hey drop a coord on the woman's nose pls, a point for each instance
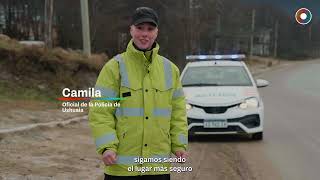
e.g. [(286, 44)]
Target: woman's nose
[(144, 33)]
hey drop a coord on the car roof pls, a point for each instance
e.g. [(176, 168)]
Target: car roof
[(216, 63)]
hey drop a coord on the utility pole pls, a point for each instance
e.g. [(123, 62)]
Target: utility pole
[(252, 31), (218, 34), (191, 25), (85, 27), (194, 6), (218, 9), (276, 33), (48, 14)]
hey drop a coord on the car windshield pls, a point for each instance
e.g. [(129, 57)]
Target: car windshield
[(216, 76)]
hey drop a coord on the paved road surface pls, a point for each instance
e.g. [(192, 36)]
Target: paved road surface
[(292, 104)]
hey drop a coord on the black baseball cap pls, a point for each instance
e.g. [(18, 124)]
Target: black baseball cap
[(145, 14)]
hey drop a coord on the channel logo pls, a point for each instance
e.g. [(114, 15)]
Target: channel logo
[(303, 16)]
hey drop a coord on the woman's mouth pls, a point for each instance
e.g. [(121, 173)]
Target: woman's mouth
[(143, 41)]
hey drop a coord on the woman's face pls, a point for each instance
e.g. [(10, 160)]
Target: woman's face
[(144, 35)]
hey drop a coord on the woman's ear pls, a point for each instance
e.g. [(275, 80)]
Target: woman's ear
[(131, 29)]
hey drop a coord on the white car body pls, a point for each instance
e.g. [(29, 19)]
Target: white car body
[(221, 104)]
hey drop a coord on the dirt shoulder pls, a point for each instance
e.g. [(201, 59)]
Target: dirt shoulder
[(50, 153)]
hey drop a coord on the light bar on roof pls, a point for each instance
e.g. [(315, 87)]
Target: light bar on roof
[(216, 57)]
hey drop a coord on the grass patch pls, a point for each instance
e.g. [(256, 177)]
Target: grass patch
[(8, 92)]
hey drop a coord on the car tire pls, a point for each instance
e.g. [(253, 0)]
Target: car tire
[(257, 136)]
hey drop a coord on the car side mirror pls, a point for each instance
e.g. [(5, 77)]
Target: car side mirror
[(262, 83)]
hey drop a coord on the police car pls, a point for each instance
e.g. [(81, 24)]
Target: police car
[(222, 96)]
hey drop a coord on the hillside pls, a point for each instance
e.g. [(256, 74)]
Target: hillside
[(37, 73)]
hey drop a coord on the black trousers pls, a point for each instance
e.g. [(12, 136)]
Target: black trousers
[(145, 177)]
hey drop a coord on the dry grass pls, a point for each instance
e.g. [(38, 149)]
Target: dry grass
[(12, 50), (257, 61)]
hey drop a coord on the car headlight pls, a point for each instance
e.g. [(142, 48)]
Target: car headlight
[(249, 103), (188, 106)]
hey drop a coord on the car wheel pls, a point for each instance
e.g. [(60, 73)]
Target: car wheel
[(257, 136)]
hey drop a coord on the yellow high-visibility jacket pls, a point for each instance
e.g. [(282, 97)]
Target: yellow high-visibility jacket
[(151, 121)]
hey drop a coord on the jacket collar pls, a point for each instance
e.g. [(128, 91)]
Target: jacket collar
[(139, 55)]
